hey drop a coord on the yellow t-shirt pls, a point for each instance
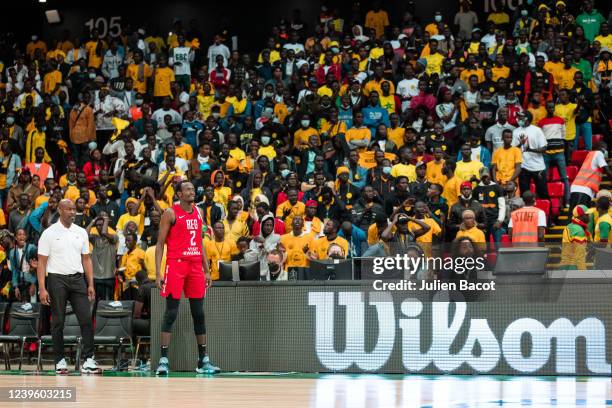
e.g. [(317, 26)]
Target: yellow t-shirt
[(236, 230), (434, 230), (297, 210), (500, 72), (333, 129), (132, 72), (396, 136), (451, 190), (219, 252), (467, 73), (464, 171), (538, 113), (50, 80), (475, 234), (294, 247), (377, 20), (149, 262), (125, 218), (301, 136), (566, 78), (95, 60), (566, 112), (321, 246), (434, 174), (131, 261), (163, 77), (505, 161), (406, 170), (358, 134), (184, 151), (388, 102), (434, 63), (606, 42)]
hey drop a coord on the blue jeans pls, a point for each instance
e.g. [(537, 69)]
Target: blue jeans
[(558, 159), (586, 131), (496, 232)]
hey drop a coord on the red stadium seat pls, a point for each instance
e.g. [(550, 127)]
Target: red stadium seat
[(553, 175), (578, 157), (555, 206), (572, 171), (597, 139), (544, 205), (556, 189)]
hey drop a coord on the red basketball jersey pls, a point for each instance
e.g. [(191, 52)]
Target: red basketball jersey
[(185, 236)]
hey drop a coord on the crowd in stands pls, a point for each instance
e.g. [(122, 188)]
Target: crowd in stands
[(336, 139)]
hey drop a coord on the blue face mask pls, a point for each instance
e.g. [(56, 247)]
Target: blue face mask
[(43, 128), (285, 172)]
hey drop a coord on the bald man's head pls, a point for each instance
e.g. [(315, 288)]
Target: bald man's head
[(67, 212)]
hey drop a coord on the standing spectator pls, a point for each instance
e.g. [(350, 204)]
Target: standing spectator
[(532, 142), (82, 127), (554, 129), (377, 19), (104, 241)]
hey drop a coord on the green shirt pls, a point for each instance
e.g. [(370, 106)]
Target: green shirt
[(590, 23), (584, 66)]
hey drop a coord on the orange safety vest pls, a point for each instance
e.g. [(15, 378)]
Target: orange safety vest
[(525, 225), (587, 177), (42, 173)]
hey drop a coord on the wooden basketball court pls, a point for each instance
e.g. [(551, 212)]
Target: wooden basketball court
[(320, 391)]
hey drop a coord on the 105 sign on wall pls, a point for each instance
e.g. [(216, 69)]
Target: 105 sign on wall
[(104, 25)]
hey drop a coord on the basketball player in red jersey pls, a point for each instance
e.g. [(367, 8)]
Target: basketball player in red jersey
[(186, 270)]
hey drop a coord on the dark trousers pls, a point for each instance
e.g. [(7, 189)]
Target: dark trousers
[(80, 153), (105, 288), (73, 288), (141, 327), (579, 198), (539, 179)]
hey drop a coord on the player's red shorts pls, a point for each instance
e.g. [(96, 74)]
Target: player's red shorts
[(184, 274)]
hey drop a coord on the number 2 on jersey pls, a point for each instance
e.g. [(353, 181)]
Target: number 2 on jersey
[(193, 236)]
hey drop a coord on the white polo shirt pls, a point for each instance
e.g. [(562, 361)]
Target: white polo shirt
[(64, 247)]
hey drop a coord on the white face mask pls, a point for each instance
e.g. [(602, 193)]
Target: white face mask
[(305, 123), (387, 170), (268, 94), (92, 75), (10, 120), (34, 37), (438, 18), (216, 115), (521, 122), (139, 102), (265, 140)]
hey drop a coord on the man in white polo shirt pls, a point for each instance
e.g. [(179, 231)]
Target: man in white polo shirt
[(532, 142), (63, 255)]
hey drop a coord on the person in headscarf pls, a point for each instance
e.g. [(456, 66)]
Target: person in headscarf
[(358, 34), (576, 236), (254, 187), (222, 192), (265, 242), (260, 210), (242, 214)]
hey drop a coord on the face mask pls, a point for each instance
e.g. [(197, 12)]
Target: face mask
[(265, 140), (387, 170), (268, 94), (305, 123), (524, 13), (34, 37), (438, 18), (139, 102), (273, 267), (216, 115), (10, 120), (290, 109), (521, 122), (44, 128), (335, 50)]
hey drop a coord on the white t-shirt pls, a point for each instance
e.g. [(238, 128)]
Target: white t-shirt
[(407, 88), (535, 140), (159, 114), (599, 161), (215, 50), (541, 219), (183, 56), (64, 247)]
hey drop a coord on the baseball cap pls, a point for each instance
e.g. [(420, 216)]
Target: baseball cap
[(466, 184), (312, 203)]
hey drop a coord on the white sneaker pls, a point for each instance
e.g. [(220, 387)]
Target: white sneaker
[(90, 366), (61, 367)]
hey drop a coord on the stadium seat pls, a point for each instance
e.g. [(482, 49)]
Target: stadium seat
[(544, 205), (556, 189), (505, 239), (23, 327), (572, 171), (553, 174), (114, 326), (72, 337), (597, 138), (578, 157)]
